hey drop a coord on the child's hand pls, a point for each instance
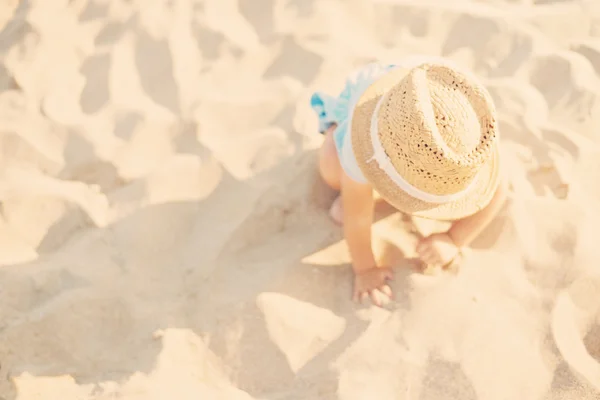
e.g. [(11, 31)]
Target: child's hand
[(372, 283), (437, 249)]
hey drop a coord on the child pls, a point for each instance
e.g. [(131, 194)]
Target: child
[(424, 135)]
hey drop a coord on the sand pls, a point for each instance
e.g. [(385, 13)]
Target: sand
[(164, 233)]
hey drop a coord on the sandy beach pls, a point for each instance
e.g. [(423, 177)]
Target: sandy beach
[(164, 232)]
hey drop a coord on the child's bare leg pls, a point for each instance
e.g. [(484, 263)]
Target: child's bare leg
[(329, 163), (331, 171)]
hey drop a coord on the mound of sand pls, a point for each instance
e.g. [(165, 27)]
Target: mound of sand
[(163, 229)]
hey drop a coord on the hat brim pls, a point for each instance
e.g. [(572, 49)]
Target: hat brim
[(478, 196)]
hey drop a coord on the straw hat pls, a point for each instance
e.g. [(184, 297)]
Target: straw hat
[(427, 140)]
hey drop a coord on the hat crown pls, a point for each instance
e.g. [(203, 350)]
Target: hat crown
[(438, 126)]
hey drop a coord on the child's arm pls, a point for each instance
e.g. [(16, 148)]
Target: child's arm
[(358, 207), (464, 231), (442, 248)]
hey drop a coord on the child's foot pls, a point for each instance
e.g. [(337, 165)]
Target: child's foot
[(336, 211)]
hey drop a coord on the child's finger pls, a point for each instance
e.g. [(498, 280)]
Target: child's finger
[(425, 249), (388, 274), (428, 256), (376, 297), (380, 298), (421, 246), (385, 289), (364, 296)]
